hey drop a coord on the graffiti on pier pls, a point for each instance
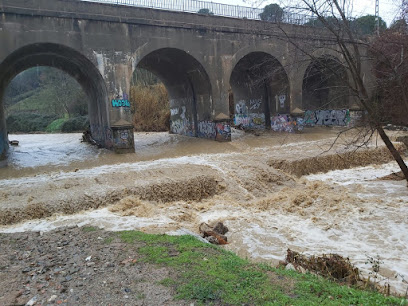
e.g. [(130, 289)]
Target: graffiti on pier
[(282, 99), (122, 138), (327, 117), (182, 127), (255, 104), (252, 120), (223, 131), (285, 123), (241, 108), (121, 101), (249, 120), (242, 120), (257, 120), (174, 111), (206, 129)]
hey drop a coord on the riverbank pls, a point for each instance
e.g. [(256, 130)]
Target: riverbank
[(174, 182)]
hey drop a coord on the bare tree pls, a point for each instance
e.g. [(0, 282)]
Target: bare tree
[(333, 15)]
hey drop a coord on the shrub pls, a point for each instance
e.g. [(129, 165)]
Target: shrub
[(152, 110), (28, 122), (75, 124)]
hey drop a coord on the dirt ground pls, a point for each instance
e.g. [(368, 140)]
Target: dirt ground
[(73, 266)]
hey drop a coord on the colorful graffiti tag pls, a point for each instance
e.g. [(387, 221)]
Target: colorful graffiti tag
[(242, 120), (252, 120), (257, 120), (121, 101), (122, 138), (223, 131), (182, 127), (285, 123), (206, 129), (327, 117)]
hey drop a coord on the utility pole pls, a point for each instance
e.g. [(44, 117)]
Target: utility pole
[(377, 16)]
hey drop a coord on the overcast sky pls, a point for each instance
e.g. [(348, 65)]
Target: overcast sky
[(388, 8)]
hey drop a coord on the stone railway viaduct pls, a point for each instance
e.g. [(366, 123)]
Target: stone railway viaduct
[(202, 60)]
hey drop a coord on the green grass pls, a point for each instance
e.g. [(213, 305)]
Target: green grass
[(42, 101), (211, 275), (56, 125)]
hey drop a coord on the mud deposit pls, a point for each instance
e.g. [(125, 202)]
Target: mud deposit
[(251, 185)]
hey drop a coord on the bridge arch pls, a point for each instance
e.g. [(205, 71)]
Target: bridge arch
[(189, 89), (260, 87), (73, 63), (325, 84)]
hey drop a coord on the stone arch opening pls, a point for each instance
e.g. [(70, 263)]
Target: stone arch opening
[(325, 85), (71, 62), (189, 90), (260, 89)]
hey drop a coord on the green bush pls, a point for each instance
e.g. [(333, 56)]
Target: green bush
[(56, 125), (28, 122), (75, 124)]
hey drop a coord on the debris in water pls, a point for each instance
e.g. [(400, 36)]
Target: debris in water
[(214, 234), (14, 142), (331, 266)]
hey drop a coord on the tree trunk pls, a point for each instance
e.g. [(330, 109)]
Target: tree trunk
[(394, 152)]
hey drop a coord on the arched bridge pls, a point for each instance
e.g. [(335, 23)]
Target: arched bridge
[(204, 61)]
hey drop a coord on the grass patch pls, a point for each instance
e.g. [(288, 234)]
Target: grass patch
[(55, 126), (167, 282), (211, 275)]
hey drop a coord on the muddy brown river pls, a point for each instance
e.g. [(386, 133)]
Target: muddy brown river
[(174, 183)]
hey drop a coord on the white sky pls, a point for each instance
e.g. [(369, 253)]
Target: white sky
[(388, 8)]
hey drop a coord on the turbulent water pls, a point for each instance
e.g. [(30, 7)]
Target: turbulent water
[(348, 212)]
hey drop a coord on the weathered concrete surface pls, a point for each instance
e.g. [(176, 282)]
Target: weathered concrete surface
[(199, 58)]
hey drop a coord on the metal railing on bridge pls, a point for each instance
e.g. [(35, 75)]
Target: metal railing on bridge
[(211, 8)]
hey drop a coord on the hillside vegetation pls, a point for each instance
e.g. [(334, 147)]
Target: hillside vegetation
[(44, 99)]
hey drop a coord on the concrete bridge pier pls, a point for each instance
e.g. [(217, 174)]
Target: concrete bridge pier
[(117, 78)]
